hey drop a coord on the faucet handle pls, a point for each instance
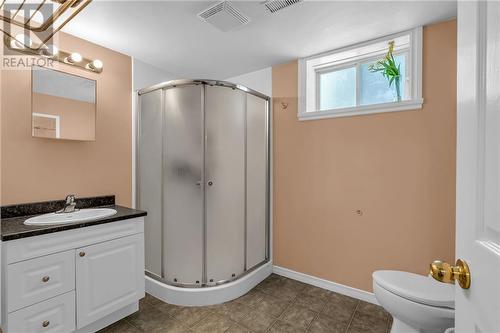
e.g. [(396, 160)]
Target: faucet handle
[(69, 206), (70, 198)]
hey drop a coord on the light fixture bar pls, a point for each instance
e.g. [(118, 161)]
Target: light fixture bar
[(69, 58)]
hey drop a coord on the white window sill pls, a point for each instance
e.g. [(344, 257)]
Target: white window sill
[(362, 110)]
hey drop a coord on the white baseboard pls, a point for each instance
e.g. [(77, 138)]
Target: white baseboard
[(325, 284)]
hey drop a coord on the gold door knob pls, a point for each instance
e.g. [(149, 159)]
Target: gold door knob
[(45, 323), (444, 272), (46, 279), (82, 254)]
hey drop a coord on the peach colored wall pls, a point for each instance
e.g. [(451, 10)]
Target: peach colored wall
[(77, 118), (34, 169), (397, 168)]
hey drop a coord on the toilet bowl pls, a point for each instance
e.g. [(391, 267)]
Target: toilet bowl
[(417, 303)]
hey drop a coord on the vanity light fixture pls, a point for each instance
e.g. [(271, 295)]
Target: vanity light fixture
[(76, 59), (24, 45)]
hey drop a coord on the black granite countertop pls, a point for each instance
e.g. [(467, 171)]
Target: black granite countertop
[(13, 217)]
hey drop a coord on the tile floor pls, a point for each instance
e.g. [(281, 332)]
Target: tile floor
[(277, 304)]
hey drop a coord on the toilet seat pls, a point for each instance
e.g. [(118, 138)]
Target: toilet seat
[(417, 288)]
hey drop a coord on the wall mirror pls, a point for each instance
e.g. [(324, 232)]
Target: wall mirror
[(63, 105)]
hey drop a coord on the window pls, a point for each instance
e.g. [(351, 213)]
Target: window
[(374, 87), (337, 88), (340, 83)]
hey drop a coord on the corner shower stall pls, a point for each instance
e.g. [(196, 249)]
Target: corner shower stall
[(203, 177)]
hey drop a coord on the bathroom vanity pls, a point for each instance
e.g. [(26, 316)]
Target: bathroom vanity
[(73, 277)]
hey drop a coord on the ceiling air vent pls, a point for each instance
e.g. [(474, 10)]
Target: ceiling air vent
[(224, 16), (274, 5)]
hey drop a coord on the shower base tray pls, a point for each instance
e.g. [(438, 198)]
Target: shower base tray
[(208, 295)]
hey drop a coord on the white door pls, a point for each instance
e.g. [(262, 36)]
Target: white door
[(478, 165), (109, 276)]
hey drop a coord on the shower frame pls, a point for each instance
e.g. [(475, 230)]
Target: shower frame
[(218, 83)]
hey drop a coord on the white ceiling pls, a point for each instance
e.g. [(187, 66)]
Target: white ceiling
[(169, 35)]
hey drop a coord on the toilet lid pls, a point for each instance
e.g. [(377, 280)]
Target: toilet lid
[(417, 288)]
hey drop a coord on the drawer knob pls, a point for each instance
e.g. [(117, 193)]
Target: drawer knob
[(82, 254), (46, 278), (45, 323)]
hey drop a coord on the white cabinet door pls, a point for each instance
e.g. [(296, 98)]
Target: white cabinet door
[(109, 276)]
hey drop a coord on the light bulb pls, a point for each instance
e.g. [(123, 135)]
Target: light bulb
[(50, 50), (75, 57), (97, 64), (21, 41), (13, 44)]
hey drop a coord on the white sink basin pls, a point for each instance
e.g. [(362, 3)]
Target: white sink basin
[(82, 215)]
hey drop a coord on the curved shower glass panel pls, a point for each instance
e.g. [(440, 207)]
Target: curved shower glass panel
[(203, 177), (182, 190)]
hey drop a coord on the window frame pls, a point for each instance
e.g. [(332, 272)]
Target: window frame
[(413, 82)]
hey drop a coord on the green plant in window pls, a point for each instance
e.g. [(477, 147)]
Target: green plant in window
[(389, 69)]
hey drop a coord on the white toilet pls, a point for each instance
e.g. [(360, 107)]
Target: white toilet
[(417, 303)]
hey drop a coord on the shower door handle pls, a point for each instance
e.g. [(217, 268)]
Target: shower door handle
[(198, 183)]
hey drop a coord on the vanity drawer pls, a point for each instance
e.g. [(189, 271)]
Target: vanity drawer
[(38, 279), (56, 315)]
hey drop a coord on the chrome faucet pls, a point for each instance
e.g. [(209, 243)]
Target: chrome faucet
[(69, 206)]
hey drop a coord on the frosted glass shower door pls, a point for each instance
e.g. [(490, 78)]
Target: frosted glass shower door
[(149, 177), (257, 187), (183, 185), (225, 183)]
